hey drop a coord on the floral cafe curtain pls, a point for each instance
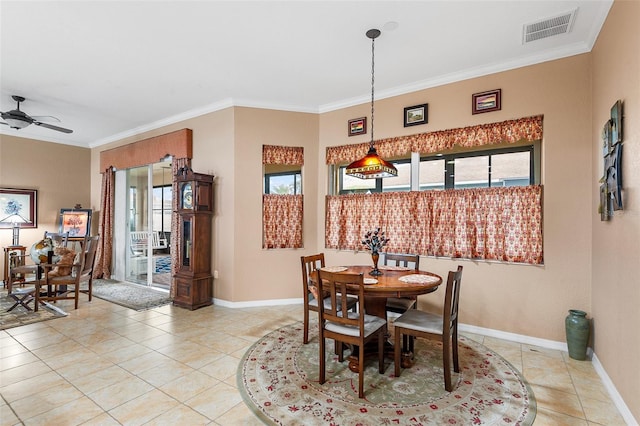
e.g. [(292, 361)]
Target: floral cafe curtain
[(511, 131), (503, 224), (282, 214)]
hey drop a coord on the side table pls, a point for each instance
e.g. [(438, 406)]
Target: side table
[(13, 256)]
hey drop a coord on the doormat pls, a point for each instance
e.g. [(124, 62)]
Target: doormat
[(132, 296)]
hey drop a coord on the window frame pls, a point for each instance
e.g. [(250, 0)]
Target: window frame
[(449, 161), (297, 174)]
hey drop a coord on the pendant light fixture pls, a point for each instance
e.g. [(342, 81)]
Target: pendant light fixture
[(371, 166)]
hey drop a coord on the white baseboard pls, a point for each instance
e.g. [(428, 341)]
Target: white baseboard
[(513, 337), (613, 393)]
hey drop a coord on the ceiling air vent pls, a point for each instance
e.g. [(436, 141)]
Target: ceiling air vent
[(550, 27)]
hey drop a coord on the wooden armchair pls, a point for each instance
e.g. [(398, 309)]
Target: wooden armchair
[(62, 282)]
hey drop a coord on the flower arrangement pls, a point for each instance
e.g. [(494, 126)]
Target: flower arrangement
[(375, 240)]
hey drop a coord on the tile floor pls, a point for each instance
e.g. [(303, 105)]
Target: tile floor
[(109, 365)]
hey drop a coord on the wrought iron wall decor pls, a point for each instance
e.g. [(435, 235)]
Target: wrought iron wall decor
[(611, 181)]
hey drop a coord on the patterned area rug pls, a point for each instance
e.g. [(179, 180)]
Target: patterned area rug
[(278, 378), (20, 316), (132, 296)]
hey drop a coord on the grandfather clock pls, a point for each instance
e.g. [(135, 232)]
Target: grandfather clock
[(193, 278)]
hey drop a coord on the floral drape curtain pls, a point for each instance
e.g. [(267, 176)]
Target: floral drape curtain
[(511, 131), (282, 214), (104, 252), (502, 224), (282, 221)]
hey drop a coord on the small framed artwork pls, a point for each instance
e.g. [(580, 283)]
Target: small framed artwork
[(616, 123), (18, 206), (77, 222), (606, 138), (486, 101), (415, 115), (357, 126)]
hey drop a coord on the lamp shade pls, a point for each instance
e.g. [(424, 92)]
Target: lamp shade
[(15, 218), (371, 166)]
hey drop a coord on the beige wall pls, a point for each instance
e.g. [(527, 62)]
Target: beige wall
[(616, 244), (529, 300), (60, 173)]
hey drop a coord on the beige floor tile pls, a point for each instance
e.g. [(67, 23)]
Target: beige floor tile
[(604, 413), (126, 353), (103, 419), (144, 362), (558, 401), (190, 353), (10, 347), (551, 418), (189, 385), (58, 348), (180, 415), (84, 368), (100, 379), (7, 416), (119, 393), (46, 400), (17, 360), (215, 401), (72, 413), (227, 366), (21, 389), (144, 408), (74, 357), (165, 372), (111, 345), (23, 372)]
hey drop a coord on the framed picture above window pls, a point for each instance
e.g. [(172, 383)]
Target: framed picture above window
[(77, 222), (415, 115), (486, 101), (357, 126)]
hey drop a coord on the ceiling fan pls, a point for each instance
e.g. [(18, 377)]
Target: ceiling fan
[(17, 119)]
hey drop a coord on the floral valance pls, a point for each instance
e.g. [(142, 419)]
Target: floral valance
[(292, 155), (511, 131)]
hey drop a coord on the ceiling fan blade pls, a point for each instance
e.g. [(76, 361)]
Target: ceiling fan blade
[(52, 127), (45, 118)]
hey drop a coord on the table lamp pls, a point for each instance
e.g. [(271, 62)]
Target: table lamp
[(15, 219)]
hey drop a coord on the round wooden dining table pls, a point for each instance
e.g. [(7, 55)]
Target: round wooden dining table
[(390, 284)]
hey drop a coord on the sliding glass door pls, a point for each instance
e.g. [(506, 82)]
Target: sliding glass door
[(148, 225)]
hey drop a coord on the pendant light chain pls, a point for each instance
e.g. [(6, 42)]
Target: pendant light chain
[(373, 42)]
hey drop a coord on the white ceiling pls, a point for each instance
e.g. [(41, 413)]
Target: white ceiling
[(110, 69)]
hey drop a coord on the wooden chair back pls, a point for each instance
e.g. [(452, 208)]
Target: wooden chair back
[(309, 265), (451, 302), (406, 260), (60, 239)]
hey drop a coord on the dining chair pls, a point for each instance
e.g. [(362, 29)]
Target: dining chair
[(353, 328), (443, 328), (59, 278), (309, 265), (401, 304)]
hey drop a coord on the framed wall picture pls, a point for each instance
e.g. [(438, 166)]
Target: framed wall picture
[(616, 123), (18, 206), (415, 115), (486, 101), (77, 222), (357, 126)]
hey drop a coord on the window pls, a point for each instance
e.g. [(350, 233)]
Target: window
[(162, 196), (513, 166), (283, 183)]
